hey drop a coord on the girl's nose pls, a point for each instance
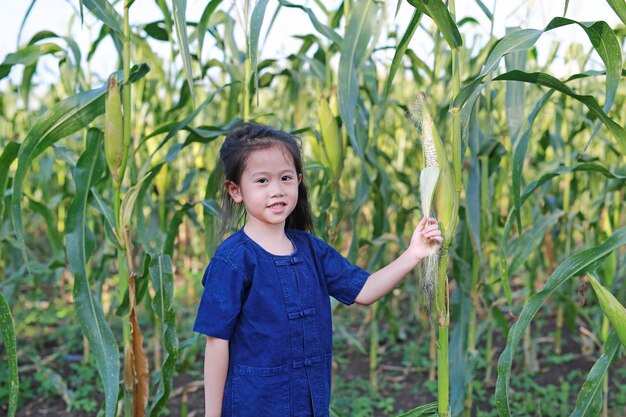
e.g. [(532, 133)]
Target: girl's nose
[(277, 191)]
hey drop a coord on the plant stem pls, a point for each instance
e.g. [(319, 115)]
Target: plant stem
[(122, 261), (456, 117), (443, 297), (374, 339), (246, 66), (471, 326), (567, 179), (443, 322), (490, 326)]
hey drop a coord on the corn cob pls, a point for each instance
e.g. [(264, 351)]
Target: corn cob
[(332, 140), (113, 129), (436, 181)]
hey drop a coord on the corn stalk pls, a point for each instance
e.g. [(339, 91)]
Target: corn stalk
[(446, 210)]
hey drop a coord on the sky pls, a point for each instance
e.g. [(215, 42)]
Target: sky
[(59, 16)]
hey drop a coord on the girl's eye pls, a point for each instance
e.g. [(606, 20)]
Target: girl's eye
[(262, 180), (287, 178)]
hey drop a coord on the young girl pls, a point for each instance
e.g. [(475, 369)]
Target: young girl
[(265, 308)]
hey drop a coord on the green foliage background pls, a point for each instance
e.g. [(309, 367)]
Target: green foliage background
[(539, 162)]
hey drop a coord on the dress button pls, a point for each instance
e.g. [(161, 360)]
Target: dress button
[(308, 362)]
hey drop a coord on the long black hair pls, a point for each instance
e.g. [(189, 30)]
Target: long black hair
[(240, 142)]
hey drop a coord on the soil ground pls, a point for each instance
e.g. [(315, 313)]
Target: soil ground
[(396, 380)]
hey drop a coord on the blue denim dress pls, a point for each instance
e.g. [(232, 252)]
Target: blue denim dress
[(275, 312)]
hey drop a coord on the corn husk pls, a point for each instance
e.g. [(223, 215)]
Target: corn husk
[(113, 129), (446, 202), (332, 148)]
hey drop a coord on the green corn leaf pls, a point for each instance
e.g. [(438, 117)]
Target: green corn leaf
[(26, 83), (573, 266), (157, 31), (600, 34), (319, 26), (167, 16), (426, 410), (539, 78), (462, 361), (485, 10), (71, 43), (172, 129), (438, 11), (519, 40), (97, 202), (612, 308), (562, 170), (102, 342), (27, 56), (416, 64), (619, 7), (19, 33), (180, 23), (81, 11), (64, 118), (400, 50), (602, 38), (608, 47), (104, 31), (152, 59), (6, 159), (203, 23), (29, 70), (144, 233), (353, 48), (212, 212), (529, 242), (174, 223), (7, 329), (56, 241), (591, 390), (163, 283), (519, 154), (256, 21), (107, 14), (57, 384), (128, 202), (515, 93)]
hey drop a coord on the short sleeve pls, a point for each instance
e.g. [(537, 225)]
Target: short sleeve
[(222, 298), (343, 279)]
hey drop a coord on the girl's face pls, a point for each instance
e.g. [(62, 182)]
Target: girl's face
[(268, 187)]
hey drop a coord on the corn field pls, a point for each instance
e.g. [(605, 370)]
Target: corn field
[(109, 206)]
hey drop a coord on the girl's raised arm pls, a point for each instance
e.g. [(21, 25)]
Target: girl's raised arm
[(425, 235), (215, 370)]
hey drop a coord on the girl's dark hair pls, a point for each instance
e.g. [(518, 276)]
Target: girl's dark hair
[(240, 142)]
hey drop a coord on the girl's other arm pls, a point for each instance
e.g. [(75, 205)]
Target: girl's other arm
[(425, 235), (215, 371)]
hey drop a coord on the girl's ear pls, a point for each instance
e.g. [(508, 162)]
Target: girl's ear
[(234, 190), (299, 179)]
